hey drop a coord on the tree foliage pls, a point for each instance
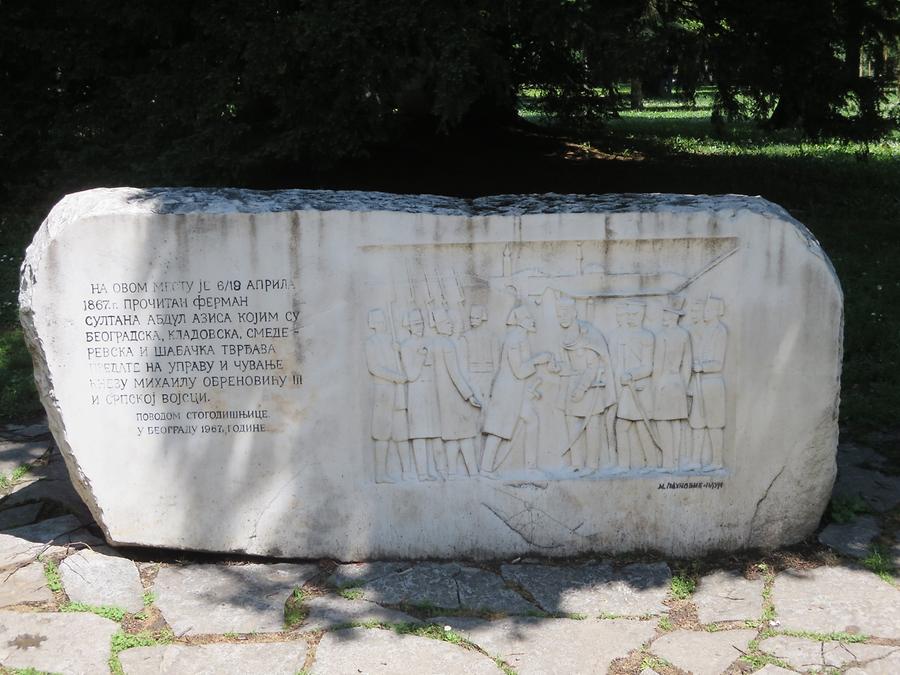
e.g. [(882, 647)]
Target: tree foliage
[(213, 90)]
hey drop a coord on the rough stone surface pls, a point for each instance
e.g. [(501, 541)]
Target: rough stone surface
[(25, 584), (728, 596), (98, 579), (357, 574), (49, 536), (533, 646), (595, 589), (702, 653), (327, 612), (14, 454), (28, 430), (199, 349), (772, 669), (806, 655), (852, 539), (881, 492), (49, 483), (46, 642), (272, 658), (837, 599), (889, 665), (447, 585), (383, 652), (198, 599), (18, 516)]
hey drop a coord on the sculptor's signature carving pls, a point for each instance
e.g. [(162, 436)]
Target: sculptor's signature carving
[(451, 401)]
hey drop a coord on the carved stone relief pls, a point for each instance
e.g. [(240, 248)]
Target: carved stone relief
[(466, 385)]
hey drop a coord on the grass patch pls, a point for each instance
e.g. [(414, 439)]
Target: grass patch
[(758, 659), (879, 563), (351, 593), (665, 623), (846, 509), (51, 574), (849, 638), (112, 613), (149, 598), (294, 611), (654, 663), (18, 395), (17, 474), (682, 587), (122, 641)]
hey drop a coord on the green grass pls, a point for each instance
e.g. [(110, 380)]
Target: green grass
[(351, 593), (846, 509), (149, 598), (682, 587), (17, 474), (51, 574), (881, 564), (294, 611), (665, 623), (18, 395), (112, 613), (122, 641)]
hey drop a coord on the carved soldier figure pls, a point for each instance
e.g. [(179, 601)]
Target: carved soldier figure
[(632, 352), (508, 403), (389, 408), (421, 394), (707, 416), (458, 404), (586, 391), (671, 375), (693, 322), (481, 351)]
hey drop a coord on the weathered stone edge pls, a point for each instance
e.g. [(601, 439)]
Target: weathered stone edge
[(122, 201)]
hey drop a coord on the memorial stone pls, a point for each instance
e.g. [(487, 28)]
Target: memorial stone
[(364, 375)]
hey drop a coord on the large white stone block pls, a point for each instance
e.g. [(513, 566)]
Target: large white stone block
[(363, 375)]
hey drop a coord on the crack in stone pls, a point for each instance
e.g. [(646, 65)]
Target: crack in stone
[(761, 500), (526, 538)]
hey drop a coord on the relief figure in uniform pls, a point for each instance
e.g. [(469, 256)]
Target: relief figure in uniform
[(707, 416), (421, 394), (671, 374), (481, 352), (458, 404), (632, 351), (508, 403), (389, 424), (586, 391)]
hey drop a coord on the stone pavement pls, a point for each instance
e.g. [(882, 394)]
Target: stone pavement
[(70, 604)]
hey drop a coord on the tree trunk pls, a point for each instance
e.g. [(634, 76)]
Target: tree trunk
[(637, 94)]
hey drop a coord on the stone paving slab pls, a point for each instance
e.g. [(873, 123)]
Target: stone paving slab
[(24, 584), (728, 596), (852, 454), (28, 431), (356, 574), (595, 589), (98, 579), (14, 454), (806, 655), (772, 669), (198, 599), (852, 539), (837, 599), (448, 586), (702, 653), (329, 611), (881, 492), (371, 651), (24, 544), (889, 665), (49, 482), (17, 516), (272, 658), (536, 646), (74, 644)]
